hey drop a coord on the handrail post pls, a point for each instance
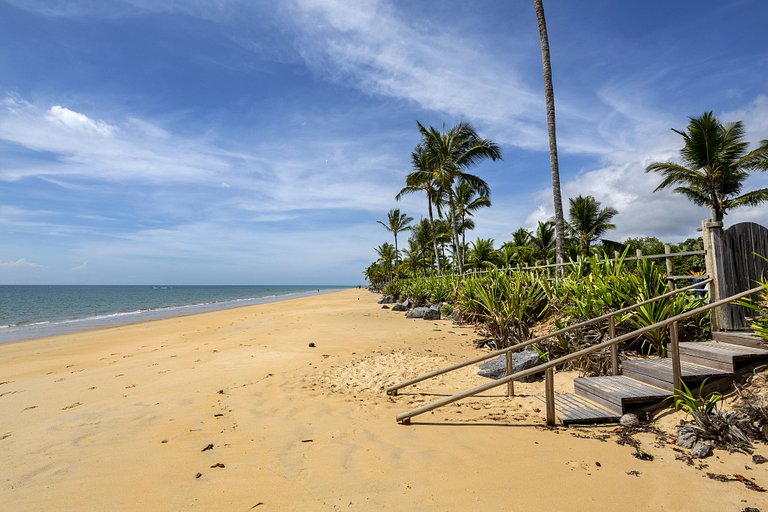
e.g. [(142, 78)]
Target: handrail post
[(615, 346), (549, 391), (674, 349), (668, 260), (510, 371)]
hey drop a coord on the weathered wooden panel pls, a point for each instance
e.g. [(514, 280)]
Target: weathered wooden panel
[(743, 268)]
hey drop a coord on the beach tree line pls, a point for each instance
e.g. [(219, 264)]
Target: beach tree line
[(714, 163)]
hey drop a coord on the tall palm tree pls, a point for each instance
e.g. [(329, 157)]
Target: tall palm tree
[(449, 154), (468, 201), (549, 95), (715, 163), (396, 223), (421, 179), (588, 221)]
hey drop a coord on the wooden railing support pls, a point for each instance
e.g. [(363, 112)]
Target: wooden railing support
[(615, 347), (510, 370), (674, 354), (668, 260), (549, 395)]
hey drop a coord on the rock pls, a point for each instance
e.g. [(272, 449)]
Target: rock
[(311, 344), (759, 459), (399, 307), (497, 368), (701, 450), (384, 307), (407, 303), (686, 438), (387, 299), (417, 313), (629, 420), (433, 313)]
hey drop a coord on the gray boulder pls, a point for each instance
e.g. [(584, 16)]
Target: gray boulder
[(387, 299), (497, 368), (407, 303), (629, 420), (433, 313), (399, 307), (417, 313), (701, 450), (686, 438)]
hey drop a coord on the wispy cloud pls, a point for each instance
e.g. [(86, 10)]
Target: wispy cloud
[(20, 263)]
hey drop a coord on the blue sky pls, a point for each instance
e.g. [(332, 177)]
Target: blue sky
[(257, 142)]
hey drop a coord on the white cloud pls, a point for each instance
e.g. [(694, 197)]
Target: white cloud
[(373, 48), (78, 121)]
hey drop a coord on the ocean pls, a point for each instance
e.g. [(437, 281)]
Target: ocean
[(28, 312)]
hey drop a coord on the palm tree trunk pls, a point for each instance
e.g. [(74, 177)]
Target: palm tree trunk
[(549, 94), (434, 235), (455, 234)]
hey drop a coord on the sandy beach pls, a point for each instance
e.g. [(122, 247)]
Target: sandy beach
[(234, 411)]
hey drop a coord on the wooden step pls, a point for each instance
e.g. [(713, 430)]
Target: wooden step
[(573, 408), (747, 339), (658, 372), (618, 393), (723, 356)]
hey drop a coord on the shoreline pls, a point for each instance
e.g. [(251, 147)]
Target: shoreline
[(28, 332), (122, 419)]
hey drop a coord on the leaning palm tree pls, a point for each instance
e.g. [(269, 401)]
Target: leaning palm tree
[(549, 95), (396, 223), (449, 154), (468, 201), (421, 179), (588, 221), (715, 163)]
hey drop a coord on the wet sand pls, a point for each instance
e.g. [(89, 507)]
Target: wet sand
[(234, 411)]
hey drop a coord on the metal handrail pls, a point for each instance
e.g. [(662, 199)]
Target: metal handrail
[(550, 365), (392, 390)]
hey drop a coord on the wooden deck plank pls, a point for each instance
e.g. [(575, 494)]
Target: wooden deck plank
[(575, 409)]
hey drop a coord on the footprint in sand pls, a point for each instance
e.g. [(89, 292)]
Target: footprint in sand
[(71, 406)]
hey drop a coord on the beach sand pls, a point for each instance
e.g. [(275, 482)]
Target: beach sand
[(120, 419)]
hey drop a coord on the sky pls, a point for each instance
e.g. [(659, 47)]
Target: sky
[(258, 142)]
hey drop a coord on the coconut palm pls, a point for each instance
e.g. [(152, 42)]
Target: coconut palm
[(715, 163), (482, 254), (468, 201), (449, 154), (387, 257), (396, 223), (549, 96), (421, 179), (588, 221), (543, 240)]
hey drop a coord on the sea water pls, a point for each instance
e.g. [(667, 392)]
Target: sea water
[(28, 312)]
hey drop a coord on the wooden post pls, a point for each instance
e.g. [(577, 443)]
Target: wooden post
[(668, 260), (510, 369), (615, 346), (674, 354), (712, 234), (549, 392), (639, 254)]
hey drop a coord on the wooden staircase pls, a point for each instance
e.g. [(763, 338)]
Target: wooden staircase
[(646, 383)]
